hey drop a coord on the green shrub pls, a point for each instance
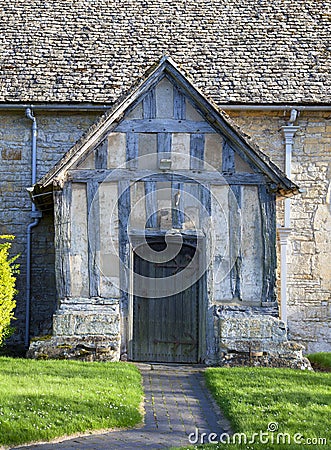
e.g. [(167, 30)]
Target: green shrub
[(8, 269)]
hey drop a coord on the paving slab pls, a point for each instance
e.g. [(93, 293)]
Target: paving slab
[(177, 403)]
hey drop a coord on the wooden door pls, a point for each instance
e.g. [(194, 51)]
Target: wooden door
[(166, 329)]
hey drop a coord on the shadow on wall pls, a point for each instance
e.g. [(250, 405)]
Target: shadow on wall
[(43, 298)]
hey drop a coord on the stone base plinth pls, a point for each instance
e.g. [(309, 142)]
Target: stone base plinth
[(257, 340), (85, 348), (86, 335)]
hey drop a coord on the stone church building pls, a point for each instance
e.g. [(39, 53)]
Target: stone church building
[(166, 170)]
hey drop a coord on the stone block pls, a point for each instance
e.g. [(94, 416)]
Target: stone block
[(11, 154), (96, 348), (86, 323), (244, 338)]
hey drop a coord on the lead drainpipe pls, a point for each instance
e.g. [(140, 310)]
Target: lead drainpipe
[(285, 230), (35, 216)]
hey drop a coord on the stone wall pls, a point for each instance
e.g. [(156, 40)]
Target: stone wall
[(309, 249), (57, 132)]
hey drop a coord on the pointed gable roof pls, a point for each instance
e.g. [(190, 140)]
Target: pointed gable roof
[(217, 119)]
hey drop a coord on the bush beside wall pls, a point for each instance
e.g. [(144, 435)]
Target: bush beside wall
[(8, 269)]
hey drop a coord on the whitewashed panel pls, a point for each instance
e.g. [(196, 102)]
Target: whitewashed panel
[(213, 151), (87, 163), (147, 151), (241, 165), (220, 245), (136, 113), (79, 275), (180, 151), (116, 150), (192, 113), (138, 206), (109, 248), (164, 92)]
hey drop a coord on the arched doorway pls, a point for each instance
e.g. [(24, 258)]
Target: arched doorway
[(166, 327)]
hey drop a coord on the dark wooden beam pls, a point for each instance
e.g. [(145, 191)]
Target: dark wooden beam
[(187, 176), (101, 155), (149, 105), (163, 146), (177, 202), (151, 204), (268, 216), (228, 164), (235, 240), (124, 208), (179, 104), (197, 151), (62, 220), (163, 126), (132, 150), (93, 234)]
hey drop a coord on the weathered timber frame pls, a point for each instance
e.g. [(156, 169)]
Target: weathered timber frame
[(261, 182)]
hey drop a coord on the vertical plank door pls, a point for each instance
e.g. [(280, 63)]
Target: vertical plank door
[(166, 329)]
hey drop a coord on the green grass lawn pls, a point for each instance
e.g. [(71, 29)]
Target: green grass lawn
[(290, 401), (41, 400), (320, 360)]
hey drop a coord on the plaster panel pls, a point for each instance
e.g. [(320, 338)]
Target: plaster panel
[(136, 113), (109, 251), (213, 150), (221, 256), (180, 151), (87, 163), (191, 205), (192, 113), (138, 206), (164, 92), (116, 150), (241, 165), (147, 151), (79, 243)]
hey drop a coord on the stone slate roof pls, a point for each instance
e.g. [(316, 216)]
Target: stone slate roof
[(242, 51)]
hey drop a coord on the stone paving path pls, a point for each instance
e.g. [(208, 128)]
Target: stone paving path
[(176, 403)]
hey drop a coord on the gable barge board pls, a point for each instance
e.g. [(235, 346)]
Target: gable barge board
[(164, 126), (187, 176)]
